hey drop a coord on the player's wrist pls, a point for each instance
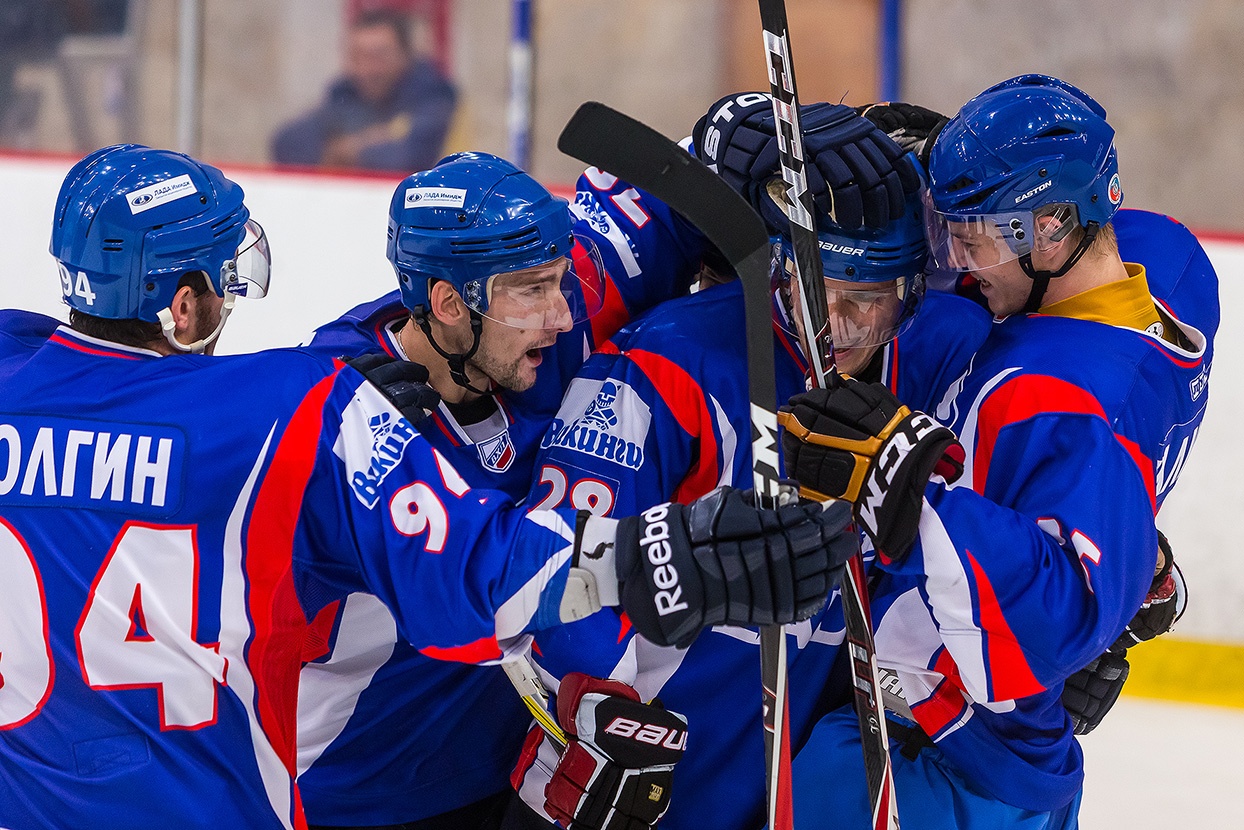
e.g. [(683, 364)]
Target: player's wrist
[(593, 580)]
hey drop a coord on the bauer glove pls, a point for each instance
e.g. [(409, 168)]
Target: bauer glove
[(857, 176), (403, 382), (856, 442), (618, 767), (720, 561)]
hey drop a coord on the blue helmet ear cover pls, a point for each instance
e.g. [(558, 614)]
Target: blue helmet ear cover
[(471, 216), (1030, 141), (131, 221)]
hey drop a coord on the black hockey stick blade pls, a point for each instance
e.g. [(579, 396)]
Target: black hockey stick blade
[(631, 150), (620, 145)]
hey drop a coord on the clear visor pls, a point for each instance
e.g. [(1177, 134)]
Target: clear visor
[(978, 242), (246, 275), (861, 315), (554, 296)]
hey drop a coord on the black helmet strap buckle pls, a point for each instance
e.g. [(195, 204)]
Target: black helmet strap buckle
[(1041, 279)]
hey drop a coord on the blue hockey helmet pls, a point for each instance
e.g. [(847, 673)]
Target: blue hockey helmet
[(1013, 153), (874, 278), (131, 221), (474, 218)]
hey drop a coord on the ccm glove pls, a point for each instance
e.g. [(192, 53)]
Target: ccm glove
[(912, 127), (719, 560), (857, 176), (404, 383), (618, 766), (1089, 693), (1165, 601), (856, 442)]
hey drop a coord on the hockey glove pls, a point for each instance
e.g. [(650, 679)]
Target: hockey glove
[(911, 127), (721, 561), (1165, 601), (404, 383), (857, 176), (618, 766), (856, 442), (1089, 693)]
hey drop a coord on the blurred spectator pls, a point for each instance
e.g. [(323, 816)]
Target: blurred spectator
[(390, 110)]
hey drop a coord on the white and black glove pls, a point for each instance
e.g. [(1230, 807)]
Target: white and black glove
[(1164, 603), (618, 767), (403, 382), (855, 441), (721, 561)]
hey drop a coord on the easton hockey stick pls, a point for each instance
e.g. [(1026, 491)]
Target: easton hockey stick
[(819, 348), (616, 143)]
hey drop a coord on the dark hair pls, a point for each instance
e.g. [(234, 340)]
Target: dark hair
[(131, 331), (395, 20)]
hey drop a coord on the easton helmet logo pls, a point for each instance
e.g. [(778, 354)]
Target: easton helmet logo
[(1044, 185)]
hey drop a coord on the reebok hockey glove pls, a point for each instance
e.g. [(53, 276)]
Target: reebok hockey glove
[(1089, 693), (721, 561), (856, 442), (856, 174), (618, 766), (403, 382), (912, 127)]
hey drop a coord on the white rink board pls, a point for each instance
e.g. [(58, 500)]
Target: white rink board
[(328, 238)]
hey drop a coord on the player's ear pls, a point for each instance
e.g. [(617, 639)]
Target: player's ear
[(446, 303), (183, 308)]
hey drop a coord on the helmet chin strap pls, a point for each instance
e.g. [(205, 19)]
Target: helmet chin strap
[(457, 362), (169, 328), (1041, 279)]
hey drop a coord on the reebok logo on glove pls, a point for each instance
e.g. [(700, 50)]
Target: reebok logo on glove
[(654, 540)]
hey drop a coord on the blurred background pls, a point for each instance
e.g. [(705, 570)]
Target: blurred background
[(224, 78)]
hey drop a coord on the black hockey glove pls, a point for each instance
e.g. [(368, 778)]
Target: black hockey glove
[(618, 767), (404, 383), (1165, 601), (1089, 693), (856, 442), (721, 561), (912, 127), (856, 174)]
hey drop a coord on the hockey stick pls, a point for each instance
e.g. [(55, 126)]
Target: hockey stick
[(819, 348), (607, 139)]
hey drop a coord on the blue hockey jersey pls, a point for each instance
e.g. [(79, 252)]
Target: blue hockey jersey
[(387, 735), (662, 412), (1031, 564), (168, 526)]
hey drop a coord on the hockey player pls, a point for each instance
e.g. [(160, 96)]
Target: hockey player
[(170, 521), (1022, 570), (388, 735), (667, 391)]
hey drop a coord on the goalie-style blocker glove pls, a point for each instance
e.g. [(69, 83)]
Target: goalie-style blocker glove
[(403, 382), (855, 441), (618, 767), (856, 174), (721, 561)]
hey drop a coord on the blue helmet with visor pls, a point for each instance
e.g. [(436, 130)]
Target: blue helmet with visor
[(1015, 171), (131, 221)]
